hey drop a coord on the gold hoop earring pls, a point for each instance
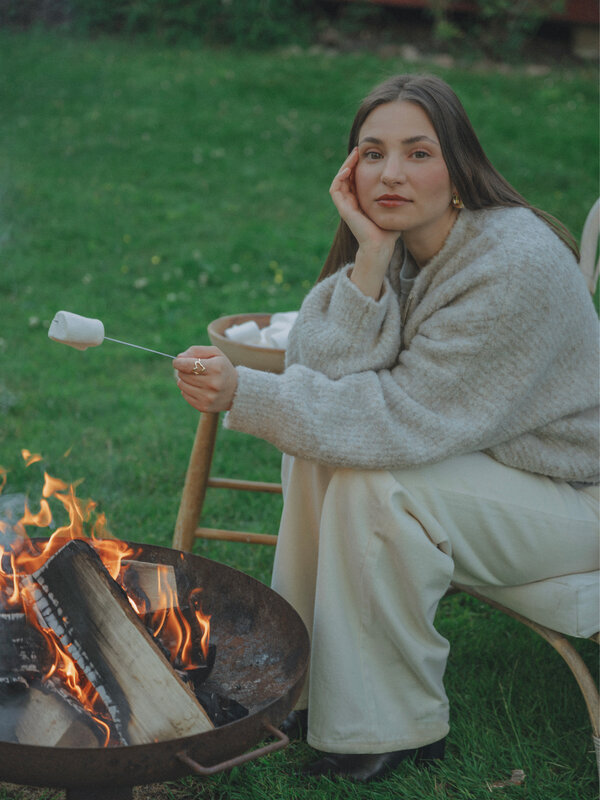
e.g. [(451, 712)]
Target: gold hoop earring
[(456, 201)]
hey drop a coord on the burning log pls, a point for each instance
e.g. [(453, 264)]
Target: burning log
[(140, 581), (23, 654), (91, 615), (49, 719)]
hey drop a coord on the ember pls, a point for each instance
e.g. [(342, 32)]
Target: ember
[(95, 649)]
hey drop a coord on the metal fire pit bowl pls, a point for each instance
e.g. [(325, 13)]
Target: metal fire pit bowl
[(261, 660)]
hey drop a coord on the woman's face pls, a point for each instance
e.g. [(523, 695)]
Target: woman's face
[(401, 179)]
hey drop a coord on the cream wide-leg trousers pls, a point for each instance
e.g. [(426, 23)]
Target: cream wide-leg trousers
[(365, 556)]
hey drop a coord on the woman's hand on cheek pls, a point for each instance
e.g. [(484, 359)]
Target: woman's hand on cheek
[(375, 245), (343, 193), (206, 378)]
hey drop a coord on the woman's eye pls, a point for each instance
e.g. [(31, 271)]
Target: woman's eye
[(372, 155), (420, 154)]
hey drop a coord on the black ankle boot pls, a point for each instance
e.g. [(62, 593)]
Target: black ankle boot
[(365, 767), (295, 725)]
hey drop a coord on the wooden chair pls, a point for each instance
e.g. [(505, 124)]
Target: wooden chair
[(557, 608), (567, 606), (198, 480)]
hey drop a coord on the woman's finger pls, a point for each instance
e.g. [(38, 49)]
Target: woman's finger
[(351, 159), (185, 361), (344, 174), (193, 366)]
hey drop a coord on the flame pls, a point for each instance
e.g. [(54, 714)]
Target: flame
[(202, 619), (9, 588), (170, 625), (139, 610), (31, 558), (53, 485), (30, 458), (25, 556), (42, 519)]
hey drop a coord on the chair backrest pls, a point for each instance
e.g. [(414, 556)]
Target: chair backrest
[(588, 260)]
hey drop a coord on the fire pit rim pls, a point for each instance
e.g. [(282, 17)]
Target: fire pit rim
[(36, 765)]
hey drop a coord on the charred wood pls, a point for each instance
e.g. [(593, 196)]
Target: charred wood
[(23, 652), (220, 709)]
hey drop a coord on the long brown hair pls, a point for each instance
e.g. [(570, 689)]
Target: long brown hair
[(477, 182)]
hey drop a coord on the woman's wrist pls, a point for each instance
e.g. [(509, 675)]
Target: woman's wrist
[(370, 267)]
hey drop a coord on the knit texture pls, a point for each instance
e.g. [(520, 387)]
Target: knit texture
[(495, 350)]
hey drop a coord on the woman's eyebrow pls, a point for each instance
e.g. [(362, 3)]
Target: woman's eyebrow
[(421, 137)]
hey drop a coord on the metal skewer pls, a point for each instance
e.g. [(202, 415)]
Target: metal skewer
[(139, 347)]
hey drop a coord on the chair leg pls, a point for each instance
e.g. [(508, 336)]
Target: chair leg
[(196, 479), (571, 657), (582, 675)]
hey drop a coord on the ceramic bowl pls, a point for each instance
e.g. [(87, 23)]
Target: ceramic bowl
[(268, 359)]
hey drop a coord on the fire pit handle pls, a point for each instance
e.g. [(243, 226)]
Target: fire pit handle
[(282, 741)]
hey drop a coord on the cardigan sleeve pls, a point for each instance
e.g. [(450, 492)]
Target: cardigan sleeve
[(340, 330)]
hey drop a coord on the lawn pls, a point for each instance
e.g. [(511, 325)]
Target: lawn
[(157, 188)]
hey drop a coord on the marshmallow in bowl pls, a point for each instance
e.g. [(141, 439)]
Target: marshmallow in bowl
[(286, 318), (76, 331), (274, 335), (246, 333)]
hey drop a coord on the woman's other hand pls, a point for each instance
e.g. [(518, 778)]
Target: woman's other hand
[(206, 377)]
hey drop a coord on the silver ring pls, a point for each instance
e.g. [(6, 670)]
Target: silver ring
[(199, 368)]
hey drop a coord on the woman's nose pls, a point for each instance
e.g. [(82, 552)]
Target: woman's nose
[(393, 172)]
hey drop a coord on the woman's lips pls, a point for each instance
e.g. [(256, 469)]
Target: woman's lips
[(391, 200)]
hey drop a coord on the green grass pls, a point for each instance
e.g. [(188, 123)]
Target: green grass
[(158, 188)]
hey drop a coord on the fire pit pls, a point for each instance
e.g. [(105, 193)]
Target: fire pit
[(261, 648)]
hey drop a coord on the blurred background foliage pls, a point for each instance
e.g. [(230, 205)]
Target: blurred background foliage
[(496, 28)]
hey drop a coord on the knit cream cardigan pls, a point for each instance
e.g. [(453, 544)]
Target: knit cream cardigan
[(495, 350)]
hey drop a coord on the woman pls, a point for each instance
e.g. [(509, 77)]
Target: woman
[(438, 419)]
